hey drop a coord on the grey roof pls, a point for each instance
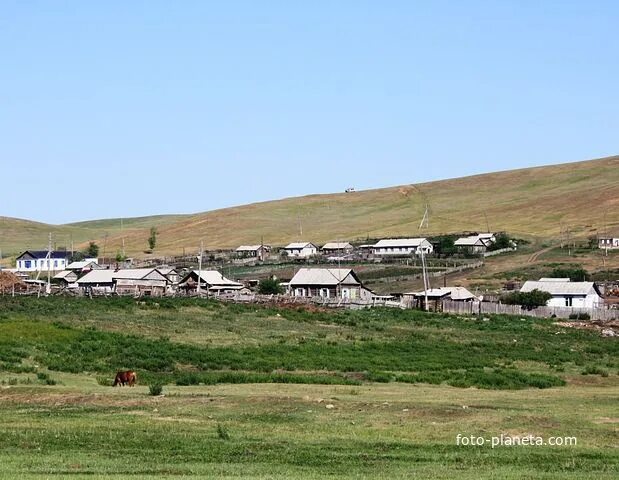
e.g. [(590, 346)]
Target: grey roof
[(469, 241), (456, 293), (400, 242), (337, 246), (323, 276), (554, 279), (81, 265), (249, 248), (97, 276), (108, 276), (134, 273), (62, 275), (560, 288), (299, 245), (214, 278)]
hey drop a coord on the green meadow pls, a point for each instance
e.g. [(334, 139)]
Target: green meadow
[(262, 392)]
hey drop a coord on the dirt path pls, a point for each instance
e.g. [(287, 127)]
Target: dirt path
[(533, 258)]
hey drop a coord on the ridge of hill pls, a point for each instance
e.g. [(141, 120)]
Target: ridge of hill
[(534, 202)]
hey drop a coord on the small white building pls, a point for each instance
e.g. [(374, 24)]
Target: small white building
[(608, 243), (472, 244), (84, 265), (332, 248), (402, 246), (328, 283), (566, 293), (42, 261), (301, 249), (436, 296)]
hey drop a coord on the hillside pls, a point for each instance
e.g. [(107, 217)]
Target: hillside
[(534, 202)]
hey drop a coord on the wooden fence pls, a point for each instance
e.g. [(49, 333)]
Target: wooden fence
[(486, 308)]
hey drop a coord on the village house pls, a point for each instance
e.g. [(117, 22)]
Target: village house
[(84, 265), (402, 247), (608, 243), (337, 248), (211, 281), (134, 281), (566, 293), (66, 278), (300, 249), (170, 273), (328, 283), (436, 296), (42, 260), (474, 243), (260, 252)]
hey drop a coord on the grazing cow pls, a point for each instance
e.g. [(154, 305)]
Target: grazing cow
[(123, 378)]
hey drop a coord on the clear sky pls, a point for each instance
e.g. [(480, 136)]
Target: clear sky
[(112, 109)]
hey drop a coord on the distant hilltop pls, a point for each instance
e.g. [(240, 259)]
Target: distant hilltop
[(539, 202)]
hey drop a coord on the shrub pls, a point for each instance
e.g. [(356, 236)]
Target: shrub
[(528, 300), (270, 286), (105, 381), (155, 389), (222, 432), (592, 370)]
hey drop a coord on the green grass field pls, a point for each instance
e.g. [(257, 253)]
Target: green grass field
[(259, 392)]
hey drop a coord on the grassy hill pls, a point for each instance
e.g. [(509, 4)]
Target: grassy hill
[(532, 202)]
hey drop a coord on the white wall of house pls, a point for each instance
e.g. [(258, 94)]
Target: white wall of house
[(426, 247), (301, 252), (41, 265), (610, 243), (575, 301)]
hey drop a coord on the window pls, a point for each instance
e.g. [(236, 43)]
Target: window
[(568, 301), (324, 292), (55, 263), (28, 264)]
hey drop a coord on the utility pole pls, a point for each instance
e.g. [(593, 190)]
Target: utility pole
[(48, 289), (425, 219), (199, 290), (425, 280)]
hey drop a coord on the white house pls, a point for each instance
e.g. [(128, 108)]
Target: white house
[(42, 260), (300, 249), (608, 243), (436, 296), (402, 246), (472, 244), (328, 283), (567, 294)]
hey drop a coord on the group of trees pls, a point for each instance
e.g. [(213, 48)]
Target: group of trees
[(528, 300)]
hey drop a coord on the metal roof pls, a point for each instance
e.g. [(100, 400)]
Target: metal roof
[(108, 276), (81, 265), (322, 276), (97, 276), (214, 278), (469, 241), (400, 242), (560, 288), (337, 246), (134, 273), (42, 254), (62, 275), (297, 245), (456, 293), (249, 248)]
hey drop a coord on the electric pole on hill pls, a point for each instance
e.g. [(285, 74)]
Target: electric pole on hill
[(199, 289), (425, 219)]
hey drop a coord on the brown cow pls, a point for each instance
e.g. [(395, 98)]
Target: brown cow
[(124, 378)]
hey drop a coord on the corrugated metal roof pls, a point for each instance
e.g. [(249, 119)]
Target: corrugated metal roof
[(81, 265), (97, 276), (133, 273), (297, 245), (456, 293), (337, 246), (469, 241), (62, 275), (560, 288), (215, 278), (554, 279), (321, 276), (400, 242), (248, 248)]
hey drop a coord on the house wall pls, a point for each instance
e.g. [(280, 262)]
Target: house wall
[(344, 291), (38, 265), (301, 253), (427, 248), (589, 301), (610, 243)]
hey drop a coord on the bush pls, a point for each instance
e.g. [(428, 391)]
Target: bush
[(270, 286), (155, 389), (222, 432), (528, 300), (591, 370), (580, 316)]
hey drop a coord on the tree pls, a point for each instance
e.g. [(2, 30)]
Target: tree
[(502, 241), (528, 300), (152, 239), (270, 286), (575, 274), (120, 257), (92, 251)]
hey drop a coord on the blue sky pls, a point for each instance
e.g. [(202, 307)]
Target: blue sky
[(126, 108)]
